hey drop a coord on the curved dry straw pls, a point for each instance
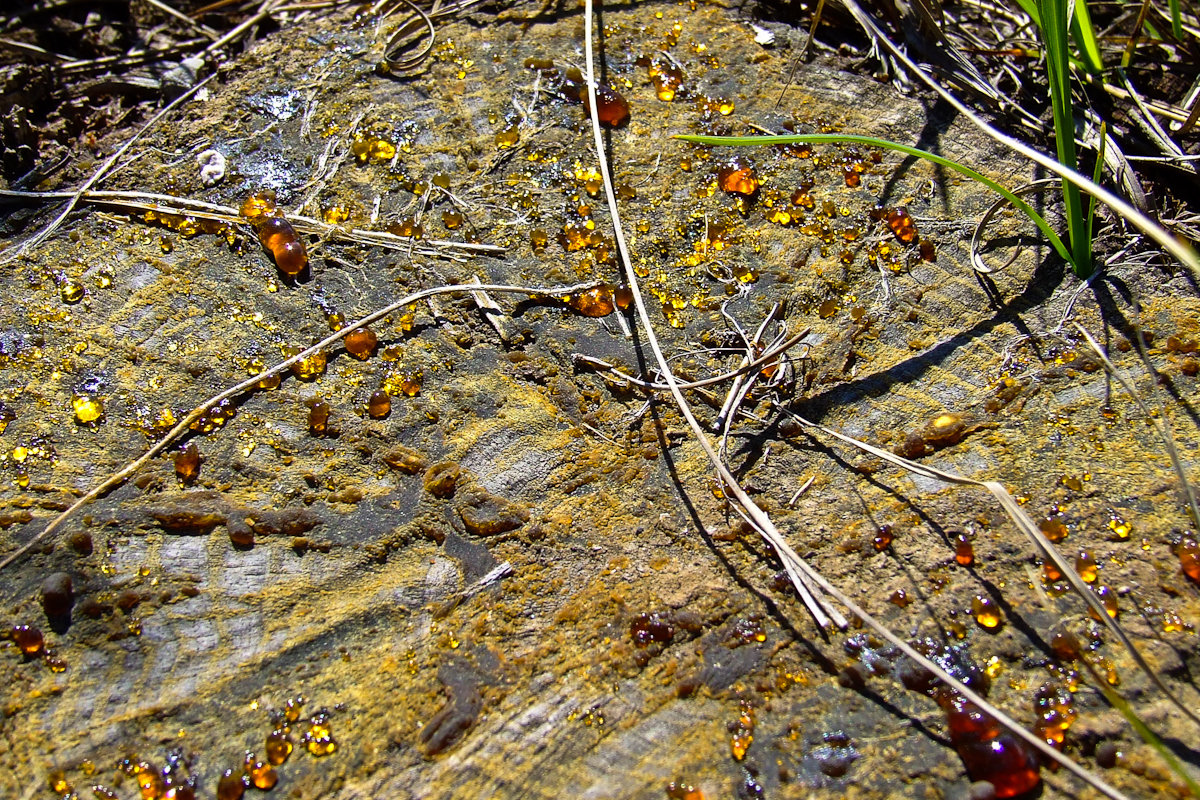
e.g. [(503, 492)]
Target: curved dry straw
[(121, 475)]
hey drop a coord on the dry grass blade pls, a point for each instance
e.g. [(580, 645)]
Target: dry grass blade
[(167, 204), (1031, 530), (768, 356), (181, 429), (41, 235), (801, 574)]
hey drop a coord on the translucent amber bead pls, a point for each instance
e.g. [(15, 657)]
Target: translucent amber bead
[(28, 639), (279, 747), (379, 405), (361, 342), (274, 231), (318, 416), (738, 177), (291, 257), (87, 409), (611, 108), (986, 612), (187, 462), (263, 776), (964, 552), (259, 205), (309, 368), (1188, 553), (231, 786), (596, 302)]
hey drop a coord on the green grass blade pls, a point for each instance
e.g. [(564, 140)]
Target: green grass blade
[(1119, 703), (1176, 19), (871, 141), (1085, 37), (1058, 73), (1030, 8)]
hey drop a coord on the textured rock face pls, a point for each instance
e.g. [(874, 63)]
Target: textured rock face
[(523, 582)]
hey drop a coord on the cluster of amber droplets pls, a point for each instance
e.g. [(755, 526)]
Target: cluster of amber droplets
[(599, 301), (276, 233), (742, 732)]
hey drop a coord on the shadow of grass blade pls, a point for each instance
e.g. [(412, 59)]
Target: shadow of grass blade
[(871, 141)]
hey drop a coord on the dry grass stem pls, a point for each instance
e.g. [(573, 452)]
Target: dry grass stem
[(181, 429)]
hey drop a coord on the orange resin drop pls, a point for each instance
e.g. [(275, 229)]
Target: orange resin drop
[(291, 257), (738, 177), (379, 405), (187, 462), (361, 342), (611, 108), (597, 302)]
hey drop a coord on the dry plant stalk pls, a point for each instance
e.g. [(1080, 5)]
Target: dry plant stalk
[(182, 427)]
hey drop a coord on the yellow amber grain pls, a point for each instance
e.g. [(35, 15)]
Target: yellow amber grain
[(87, 409)]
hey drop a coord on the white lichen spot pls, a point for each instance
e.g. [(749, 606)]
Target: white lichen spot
[(212, 167)]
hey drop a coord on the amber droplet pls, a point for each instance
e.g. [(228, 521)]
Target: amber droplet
[(259, 205), (1085, 565), (928, 251), (150, 782), (28, 639), (187, 462), (452, 220), (88, 409), (964, 552), (508, 136), (318, 416), (1051, 572), (883, 538), (231, 786), (902, 225), (274, 231), (1065, 646), (986, 612), (72, 292), (263, 776), (311, 367), (279, 747), (291, 257), (596, 302), (623, 297), (537, 240), (319, 738), (852, 178), (1120, 528), (682, 790), (900, 598), (361, 342), (738, 177), (1054, 527), (611, 108), (1108, 599), (379, 405), (1188, 553)]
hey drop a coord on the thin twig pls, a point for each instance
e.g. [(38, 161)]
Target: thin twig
[(184, 424), (41, 236), (801, 574)]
